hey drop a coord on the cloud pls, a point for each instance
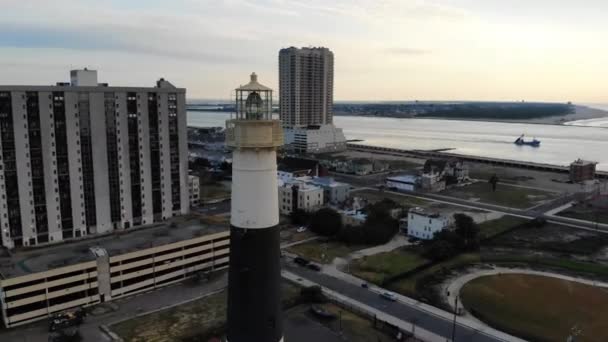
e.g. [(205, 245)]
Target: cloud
[(407, 51)]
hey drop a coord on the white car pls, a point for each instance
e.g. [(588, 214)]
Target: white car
[(301, 229), (388, 296)]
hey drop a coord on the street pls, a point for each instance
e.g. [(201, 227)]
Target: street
[(406, 312)]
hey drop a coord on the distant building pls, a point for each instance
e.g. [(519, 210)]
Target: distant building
[(296, 194), (582, 170), (84, 158), (431, 182), (306, 87), (334, 192), (315, 139), (289, 168), (423, 224), (451, 171), (194, 190), (403, 183), (359, 166)]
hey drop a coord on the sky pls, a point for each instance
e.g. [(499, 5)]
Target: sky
[(534, 50)]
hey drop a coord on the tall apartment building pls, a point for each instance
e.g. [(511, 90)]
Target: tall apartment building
[(84, 158), (306, 86), (306, 90)]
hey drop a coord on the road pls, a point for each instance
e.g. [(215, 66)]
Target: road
[(523, 213), (404, 311)]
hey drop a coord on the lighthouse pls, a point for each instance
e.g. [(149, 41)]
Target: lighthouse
[(254, 305)]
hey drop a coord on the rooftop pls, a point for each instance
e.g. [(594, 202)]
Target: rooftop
[(410, 179), (86, 80), (425, 212), (582, 162), (253, 85), (327, 181), (291, 164), (26, 261), (356, 214)]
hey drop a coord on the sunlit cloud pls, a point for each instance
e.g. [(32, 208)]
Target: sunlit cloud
[(384, 49)]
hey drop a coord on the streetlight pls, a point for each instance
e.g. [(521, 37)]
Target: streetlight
[(454, 323)]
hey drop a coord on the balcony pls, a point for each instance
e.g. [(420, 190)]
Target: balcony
[(254, 133)]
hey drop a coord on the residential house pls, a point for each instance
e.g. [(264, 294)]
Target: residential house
[(423, 224), (297, 194)]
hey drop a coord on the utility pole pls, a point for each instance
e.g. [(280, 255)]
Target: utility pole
[(454, 323)]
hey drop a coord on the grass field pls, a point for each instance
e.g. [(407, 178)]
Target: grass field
[(376, 196), (494, 227), (539, 308), (407, 286), (323, 251), (580, 267), (175, 323), (184, 321), (377, 268), (586, 213), (505, 195)]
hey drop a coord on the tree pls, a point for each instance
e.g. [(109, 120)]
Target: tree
[(378, 228), (467, 230), (440, 250), (326, 222), (226, 166), (299, 217), (199, 164)]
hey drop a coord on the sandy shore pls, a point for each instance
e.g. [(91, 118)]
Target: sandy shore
[(581, 113)]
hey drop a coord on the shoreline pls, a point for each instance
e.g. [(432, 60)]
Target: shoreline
[(582, 113)]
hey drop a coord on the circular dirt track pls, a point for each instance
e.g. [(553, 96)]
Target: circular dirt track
[(538, 307)]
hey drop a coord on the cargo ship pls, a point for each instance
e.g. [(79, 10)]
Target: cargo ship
[(521, 141)]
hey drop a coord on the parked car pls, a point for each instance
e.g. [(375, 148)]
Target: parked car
[(301, 229), (388, 296), (66, 319), (301, 261), (364, 285), (314, 267)]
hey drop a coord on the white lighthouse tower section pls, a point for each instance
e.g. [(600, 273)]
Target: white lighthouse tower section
[(254, 287), (255, 199)]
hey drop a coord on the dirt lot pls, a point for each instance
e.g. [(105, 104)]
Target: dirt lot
[(541, 179), (505, 195), (539, 308), (323, 251), (184, 322), (595, 210), (347, 326)]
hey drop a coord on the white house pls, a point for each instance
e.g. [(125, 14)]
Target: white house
[(297, 194), (423, 224)]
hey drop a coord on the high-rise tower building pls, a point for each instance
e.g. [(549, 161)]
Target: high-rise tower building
[(254, 305), (84, 158), (306, 86), (306, 89)]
